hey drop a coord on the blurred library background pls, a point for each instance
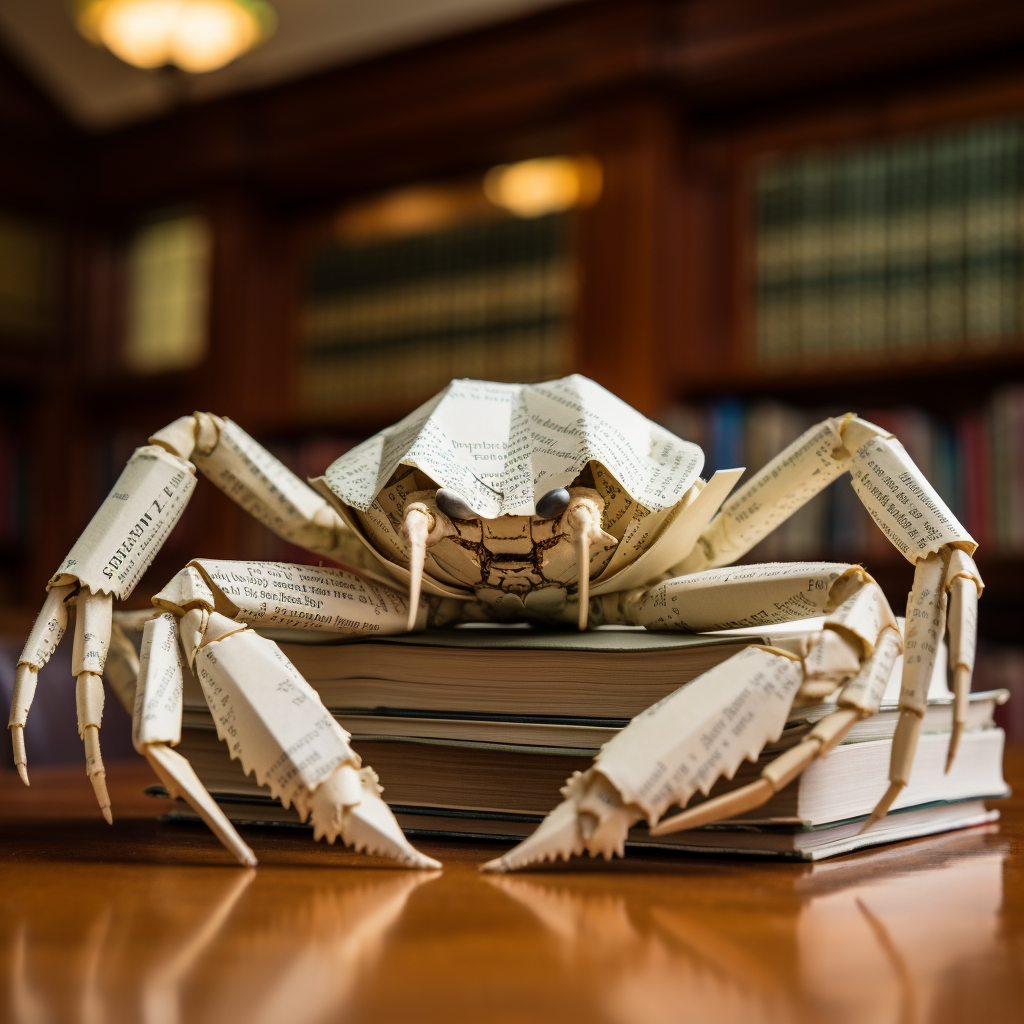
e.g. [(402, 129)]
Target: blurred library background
[(740, 217)]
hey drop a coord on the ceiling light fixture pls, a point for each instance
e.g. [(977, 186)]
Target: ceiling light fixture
[(194, 35)]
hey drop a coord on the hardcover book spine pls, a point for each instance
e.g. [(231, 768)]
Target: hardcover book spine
[(983, 315), (945, 325), (912, 246), (811, 315), (911, 300), (773, 262), (387, 321)]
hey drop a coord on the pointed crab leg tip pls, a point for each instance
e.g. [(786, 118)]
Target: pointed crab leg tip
[(424, 863), (247, 859), (20, 757), (494, 867), (883, 805), (99, 787), (954, 745)]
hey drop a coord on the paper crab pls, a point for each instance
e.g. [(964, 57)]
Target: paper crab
[(551, 502)]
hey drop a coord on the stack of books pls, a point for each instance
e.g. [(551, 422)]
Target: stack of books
[(474, 730)]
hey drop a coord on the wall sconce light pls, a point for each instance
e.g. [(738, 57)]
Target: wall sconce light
[(194, 35), (532, 188)]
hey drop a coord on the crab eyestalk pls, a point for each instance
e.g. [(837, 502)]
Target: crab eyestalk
[(584, 520), (419, 529)]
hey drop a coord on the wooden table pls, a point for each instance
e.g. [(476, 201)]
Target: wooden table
[(149, 922)]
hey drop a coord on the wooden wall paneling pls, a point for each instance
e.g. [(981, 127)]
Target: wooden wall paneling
[(391, 118), (629, 276), (230, 382), (37, 143), (702, 225), (747, 52)]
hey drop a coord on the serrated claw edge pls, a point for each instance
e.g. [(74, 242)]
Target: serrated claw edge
[(370, 827), (557, 836)]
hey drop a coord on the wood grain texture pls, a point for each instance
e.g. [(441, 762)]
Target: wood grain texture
[(145, 921)]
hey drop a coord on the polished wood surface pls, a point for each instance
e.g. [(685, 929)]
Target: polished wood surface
[(150, 922)]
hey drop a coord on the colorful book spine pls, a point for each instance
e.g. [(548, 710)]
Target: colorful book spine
[(974, 460)]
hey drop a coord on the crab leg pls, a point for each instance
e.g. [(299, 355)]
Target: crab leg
[(92, 638), (909, 512), (42, 641), (964, 587), (789, 481), (270, 717), (705, 729), (906, 508), (122, 668), (738, 597), (156, 728), (129, 528), (787, 766), (273, 721)]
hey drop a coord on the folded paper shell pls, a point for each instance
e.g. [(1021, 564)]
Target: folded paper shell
[(502, 446)]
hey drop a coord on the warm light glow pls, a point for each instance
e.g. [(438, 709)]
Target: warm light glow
[(195, 35), (533, 188)]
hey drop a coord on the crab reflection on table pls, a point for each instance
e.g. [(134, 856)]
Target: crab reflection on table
[(300, 961), (926, 932)]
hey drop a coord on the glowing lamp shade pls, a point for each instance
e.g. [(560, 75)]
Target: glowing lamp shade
[(195, 35), (532, 188)]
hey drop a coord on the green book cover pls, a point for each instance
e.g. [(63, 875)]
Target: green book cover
[(812, 248), (906, 245), (946, 174)]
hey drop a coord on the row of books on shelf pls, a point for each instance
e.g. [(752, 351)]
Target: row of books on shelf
[(387, 322), (909, 245), (473, 731), (974, 460)]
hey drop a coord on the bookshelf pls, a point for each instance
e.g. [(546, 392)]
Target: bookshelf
[(683, 105)]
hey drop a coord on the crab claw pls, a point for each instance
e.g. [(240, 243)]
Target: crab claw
[(592, 819), (348, 804)]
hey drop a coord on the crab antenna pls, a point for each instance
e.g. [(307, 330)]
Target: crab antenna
[(416, 527), (582, 524)]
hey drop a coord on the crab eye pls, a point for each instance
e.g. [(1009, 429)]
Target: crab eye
[(453, 505), (553, 503)]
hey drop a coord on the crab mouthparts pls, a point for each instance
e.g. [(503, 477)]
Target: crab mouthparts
[(425, 524)]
